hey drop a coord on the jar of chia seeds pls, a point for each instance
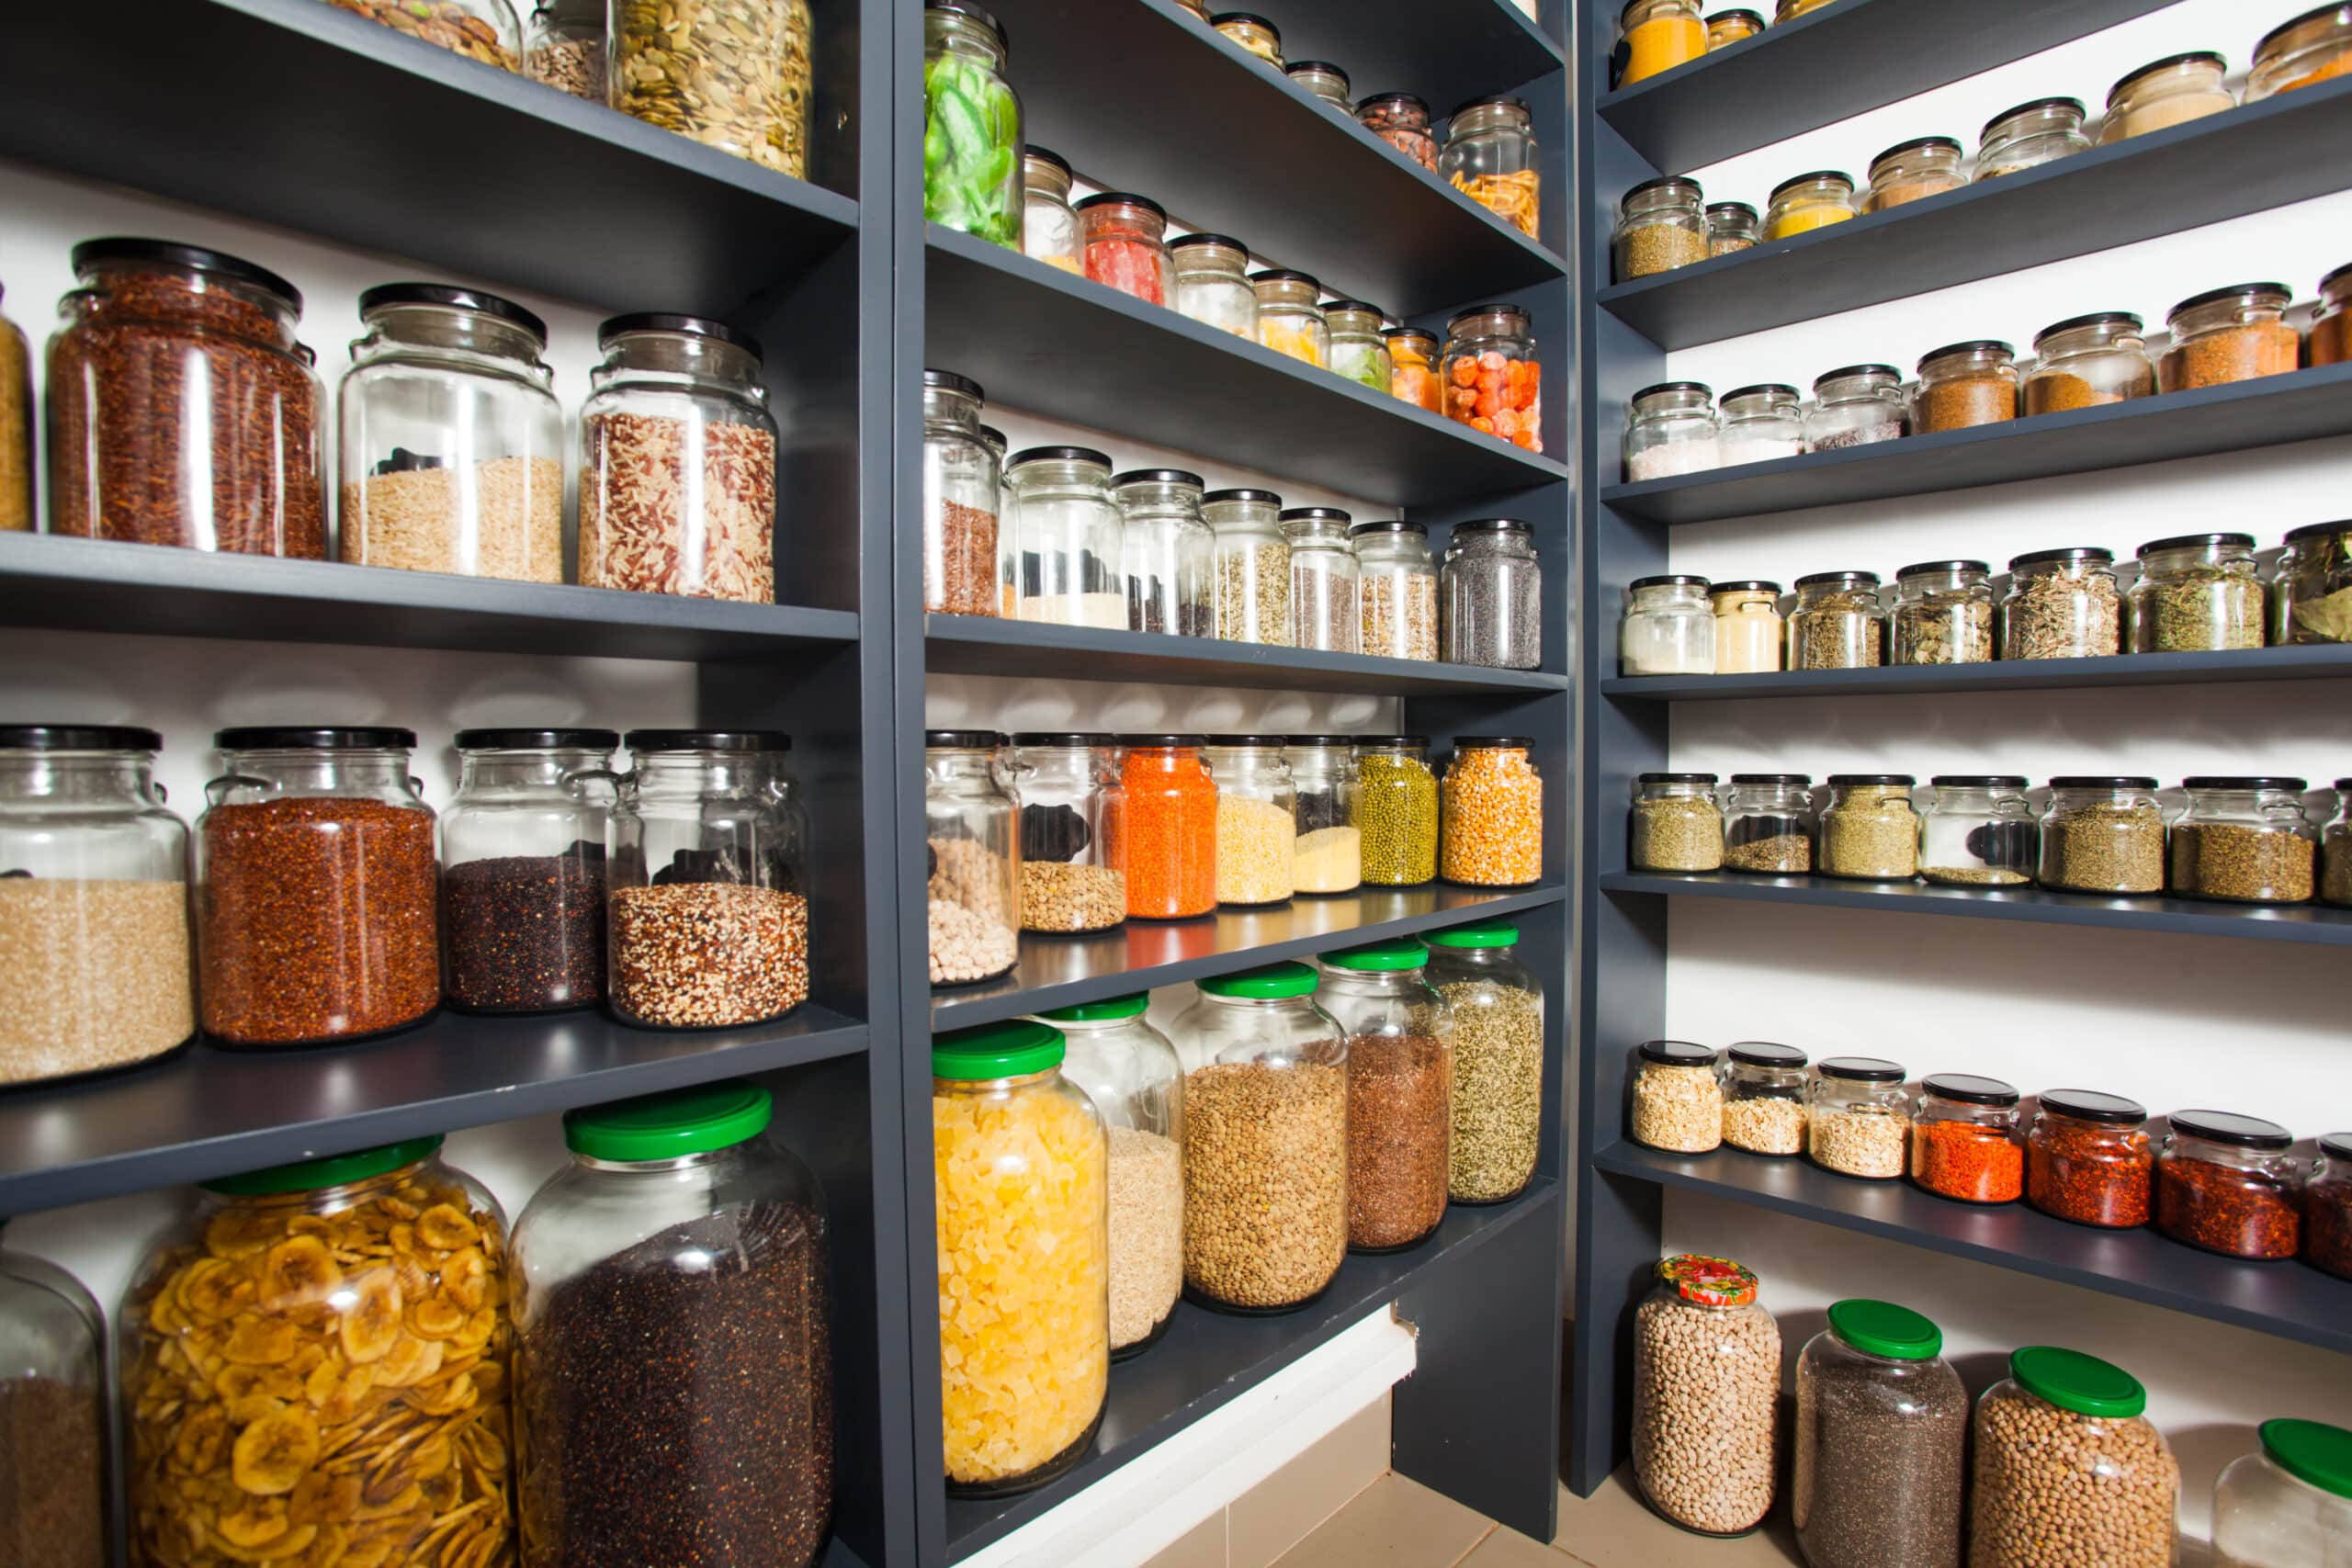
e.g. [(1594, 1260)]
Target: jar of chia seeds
[(1770, 824), (1978, 831), (1880, 1461), (1764, 1084), (1490, 596), (523, 886), (2244, 841)]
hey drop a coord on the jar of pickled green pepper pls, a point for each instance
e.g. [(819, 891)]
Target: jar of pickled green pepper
[(971, 139), (1398, 809)]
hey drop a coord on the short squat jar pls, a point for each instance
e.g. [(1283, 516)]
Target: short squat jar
[(1490, 157), (1770, 824), (2228, 1183), (2103, 835), (1251, 589), (1707, 1395), (1124, 244), (1073, 831), (2313, 48), (1660, 227), (1979, 832), (1838, 622), (1943, 613), (1403, 121), (1048, 225), (1751, 636), (1858, 1117), (1359, 343), (1965, 1142), (1809, 202), (1326, 612), (1068, 544), (1677, 1100), (2244, 841), (1323, 79), (1668, 627), (2290, 1503), (1400, 1085), (2331, 340), (1858, 406), (1725, 28), (2327, 1207), (2088, 362), (1171, 554), (523, 887), (2197, 593), (2311, 597), (1764, 1110), (2227, 335), (1869, 830), (1490, 596), (1253, 33), (2089, 1159), (2030, 135), (1677, 824), (2061, 603), (1964, 386), (1212, 284), (1290, 316), (2069, 1469), (1731, 227), (1879, 1460), (1913, 170), (2169, 92), (1671, 429), (1761, 424)]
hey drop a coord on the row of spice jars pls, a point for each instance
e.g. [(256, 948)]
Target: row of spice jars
[(1655, 36)]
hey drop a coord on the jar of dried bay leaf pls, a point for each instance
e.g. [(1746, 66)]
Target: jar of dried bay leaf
[(2062, 604), (732, 75), (1676, 825), (1839, 623), (1979, 832), (1770, 824), (2103, 835), (2315, 586), (1869, 830), (2196, 593), (1943, 613), (2244, 841)]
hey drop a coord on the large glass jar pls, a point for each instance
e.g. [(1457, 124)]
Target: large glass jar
[(1858, 406), (1257, 818), (1491, 596), (1325, 609), (2313, 47), (54, 1398), (1749, 635), (1497, 1011), (972, 127), (972, 857), (2228, 1184), (1413, 358), (1073, 831), (2088, 1159), (1879, 1466), (1171, 827), (1943, 613), (451, 454), (2244, 841), (1677, 824), (181, 409), (1660, 227), (1021, 1177), (1838, 622), (2290, 1503), (1677, 1100), (2069, 1469), (1323, 79), (1251, 590), (1809, 202), (1400, 1087), (1171, 554), (1403, 121), (2061, 603), (962, 499), (1048, 226), (1490, 157), (2336, 851), (1265, 1141), (1493, 814), (2172, 91), (1069, 546), (1400, 811), (2311, 595), (2330, 339), (738, 77), (1212, 279), (1964, 386), (1979, 832), (1329, 810), (1913, 170), (2196, 593), (1657, 35), (1858, 1117), (1731, 227), (2030, 135), (1290, 315), (1869, 829), (1760, 424), (1359, 343), (671, 1296), (2224, 335), (315, 888), (523, 887), (678, 463), (1670, 429), (1669, 627), (383, 1271), (1396, 591), (2103, 835), (1965, 1143), (1492, 379), (16, 430), (2088, 361), (1770, 823), (563, 48), (1706, 1397), (93, 907), (1764, 1111), (2327, 1207), (1125, 240)]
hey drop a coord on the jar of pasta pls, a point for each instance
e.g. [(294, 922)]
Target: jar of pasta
[(2169, 92), (2103, 835), (1048, 225), (2225, 335), (1869, 829), (1943, 613), (2196, 593), (1839, 623), (1913, 170), (1212, 284), (1073, 831), (1770, 824), (2313, 47), (1359, 344), (1399, 814), (1490, 157), (1492, 809), (1660, 227), (1290, 315), (2030, 135), (1131, 1072), (1748, 627), (1171, 827), (1678, 1101), (1809, 202), (2087, 361), (1329, 810), (1858, 1116)]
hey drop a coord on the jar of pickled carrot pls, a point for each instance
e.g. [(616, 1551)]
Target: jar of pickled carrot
[(1412, 367), (1171, 827), (1492, 381)]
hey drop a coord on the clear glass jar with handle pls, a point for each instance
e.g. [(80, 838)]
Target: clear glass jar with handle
[(1400, 1085), (2103, 834), (2089, 361), (1490, 157), (2289, 1503), (2244, 841), (2313, 48), (2069, 1469), (1326, 610), (1838, 622), (2088, 1159), (1403, 121), (1965, 1142), (54, 1388), (1171, 555), (1979, 832), (1706, 1392), (1069, 546), (2166, 92), (1913, 170), (1490, 596), (1760, 424), (1290, 315), (1677, 824), (523, 884), (1125, 240), (1257, 818), (1858, 1117), (2227, 335), (1809, 202), (1880, 1461), (1397, 591), (1073, 830), (1770, 823), (1869, 829), (1212, 273), (1660, 227), (1251, 592), (1943, 613), (2061, 603), (1359, 343), (1493, 382), (1764, 1111), (2229, 1184), (972, 846), (2311, 596), (1858, 406), (742, 79), (1497, 1099), (1049, 224), (1670, 429), (2030, 135), (1329, 812), (1750, 634), (2196, 593), (973, 123)]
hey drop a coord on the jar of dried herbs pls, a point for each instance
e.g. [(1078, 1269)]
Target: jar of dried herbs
[(1943, 613), (1731, 227), (2238, 334), (1978, 831), (1769, 824), (2336, 851), (1660, 227), (2062, 604), (2244, 841), (2313, 593), (2087, 361), (1677, 826), (1869, 830), (2103, 835), (1966, 385), (1839, 623), (2196, 593), (1749, 629)]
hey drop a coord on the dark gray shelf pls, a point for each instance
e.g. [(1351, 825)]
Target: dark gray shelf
[(1447, 53), (2289, 1299), (2310, 923), (2249, 160), (208, 1112), (1854, 56), (2332, 661)]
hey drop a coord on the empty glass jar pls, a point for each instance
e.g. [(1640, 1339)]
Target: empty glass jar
[(2103, 835), (2087, 361), (1858, 1117), (1211, 276), (1069, 546), (1498, 1098), (1943, 613), (2172, 91), (523, 887), (2061, 603), (1669, 627), (1979, 832), (2290, 1503), (54, 1391), (1326, 613), (2196, 593), (1329, 813), (1073, 831), (2228, 1184), (1290, 317), (1760, 424), (1764, 1098), (1749, 634), (1490, 157), (1838, 622), (2030, 135), (1858, 406), (1171, 555), (1913, 170), (1490, 596), (2244, 841), (1400, 1083), (1869, 829), (1396, 591), (972, 851), (1125, 243), (1251, 589), (1048, 225), (1660, 227), (1670, 429), (1359, 343), (1770, 823), (1809, 202)]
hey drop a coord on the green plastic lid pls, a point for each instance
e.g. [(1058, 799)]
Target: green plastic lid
[(2312, 1452), (1402, 953), (309, 1175), (1103, 1012), (1272, 983), (1486, 933), (673, 1125), (1882, 1328), (1013, 1049), (2071, 1381)]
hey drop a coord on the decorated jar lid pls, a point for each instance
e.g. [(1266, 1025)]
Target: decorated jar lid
[(1709, 1282)]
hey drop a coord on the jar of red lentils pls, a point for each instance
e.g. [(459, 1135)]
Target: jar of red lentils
[(2088, 1159), (2327, 1207), (1964, 1140), (1171, 827), (2228, 1184)]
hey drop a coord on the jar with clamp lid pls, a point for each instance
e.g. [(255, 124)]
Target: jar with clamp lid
[(1490, 157), (2229, 1184), (1498, 1009), (1049, 224), (1770, 824), (1750, 634), (1073, 831), (1400, 1090), (1211, 275), (1965, 1143), (1660, 227), (972, 853), (522, 883), (1493, 380), (1943, 613), (2313, 48), (2030, 135), (1858, 1117), (1760, 424), (1979, 832), (1290, 315), (1069, 546), (1764, 1110), (1171, 555), (2169, 92), (1838, 622), (1858, 406), (2244, 841), (1913, 170), (1359, 344), (1324, 610), (1809, 202), (2088, 361), (1670, 430), (2196, 593)]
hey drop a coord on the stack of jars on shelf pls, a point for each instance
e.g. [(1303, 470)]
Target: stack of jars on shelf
[(1655, 36), (1298, 1113)]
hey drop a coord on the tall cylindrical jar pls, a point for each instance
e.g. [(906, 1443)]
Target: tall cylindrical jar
[(1330, 809), (1400, 1083), (1677, 824), (972, 852), (962, 501), (2290, 1503), (2088, 1159), (1359, 344), (1125, 241), (1979, 832), (1490, 596), (1677, 1100), (1879, 1460), (1706, 1389), (53, 1396), (1492, 802), (1490, 157), (739, 78), (2228, 1184), (523, 886), (16, 408), (1008, 546), (1400, 809), (973, 123), (1858, 1117), (1497, 1101), (1943, 613), (1838, 622), (2330, 339), (1493, 380), (1171, 827), (1770, 824), (2243, 840), (1326, 611), (2336, 851), (1413, 360), (2061, 603), (2197, 593), (1048, 225), (2103, 835), (1211, 275), (2069, 1469), (1397, 594), (1750, 634), (1069, 546), (1290, 315), (1669, 627), (1251, 589), (1257, 820), (1073, 831), (1171, 554)]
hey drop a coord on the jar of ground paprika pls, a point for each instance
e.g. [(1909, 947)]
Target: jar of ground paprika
[(1964, 1139), (2330, 326), (1966, 385), (2088, 1159), (2085, 361), (2226, 1183), (2327, 1207), (2238, 334), (1171, 827)]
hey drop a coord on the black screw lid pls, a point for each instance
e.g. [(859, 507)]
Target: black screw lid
[(1921, 569), (2335, 1145), (2090, 1105), (1844, 780), (1839, 176), (1493, 525), (1732, 208), (1284, 275), (1228, 240), (2235, 290), (1969, 1089), (2095, 318), (1676, 778), (948, 381), (1802, 781), (1973, 345), (1860, 1069), (2031, 107), (689, 326), (2228, 1127), (325, 737), (1265, 496), (1318, 739), (2318, 531), (1334, 307), (1845, 370), (1748, 585), (1058, 454), (2288, 26), (1698, 387), (1493, 743), (1269, 740), (1047, 155), (1156, 477), (78, 738), (1669, 579), (1295, 67), (1664, 182), (537, 740), (1776, 389), (952, 739), (1359, 530), (966, 8), (2194, 57), (1123, 199), (1161, 742), (1980, 781), (386, 296), (2097, 780), (2243, 781), (2073, 553), (1765, 1054), (2189, 541), (1390, 742), (1677, 1053), (167, 252), (1411, 102), (1317, 514), (1917, 144), (1868, 578), (711, 740), (1065, 738)]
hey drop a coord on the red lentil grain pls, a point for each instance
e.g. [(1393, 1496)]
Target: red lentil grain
[(1171, 833), (1964, 1160)]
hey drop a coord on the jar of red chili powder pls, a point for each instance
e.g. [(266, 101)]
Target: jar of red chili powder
[(1965, 1141), (2327, 1207), (2088, 1159), (1171, 827), (2226, 1183), (1125, 240)]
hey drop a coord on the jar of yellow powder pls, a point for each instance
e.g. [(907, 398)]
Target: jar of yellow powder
[(1660, 35), (1809, 202)]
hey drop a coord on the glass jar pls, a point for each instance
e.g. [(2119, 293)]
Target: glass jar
[(2173, 91), (2088, 1159), (2239, 333), (2312, 593), (181, 409), (1069, 546), (1131, 1072), (1706, 1393), (1323, 79), (973, 858), (1498, 1096), (2030, 135), (1493, 382), (1858, 406), (1397, 591), (2062, 604), (2244, 841), (681, 395), (1869, 829), (1048, 223), (1790, 10), (1660, 227), (563, 48), (1251, 590), (2088, 361), (1400, 1086), (1257, 818), (1979, 832), (739, 78), (1008, 546), (93, 906), (315, 888), (1491, 596), (1670, 429), (1493, 814), (53, 1345), (1326, 611), (1359, 343), (1126, 238), (1748, 635), (2103, 835), (2290, 1503), (1490, 157), (1290, 319), (479, 30), (1330, 809), (1403, 121), (962, 499), (1913, 170), (1809, 202), (1965, 1142), (1171, 827), (1943, 613), (2331, 340), (1839, 623), (1677, 824), (451, 454), (1399, 815), (1253, 33), (1964, 386), (2069, 1469), (1879, 1466), (1725, 28), (1858, 1116), (679, 1236), (2313, 47), (1760, 424), (1677, 1100), (523, 887), (1764, 1098), (2226, 1183), (1731, 227), (972, 178), (17, 429), (386, 1259), (2327, 1207), (1412, 369), (2336, 851), (1073, 831), (1265, 1141), (1171, 555), (1769, 824), (1659, 35), (1023, 1180), (1212, 277)]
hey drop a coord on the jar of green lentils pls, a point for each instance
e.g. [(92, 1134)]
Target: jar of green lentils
[(1398, 794)]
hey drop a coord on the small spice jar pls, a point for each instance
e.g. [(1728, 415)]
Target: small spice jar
[(55, 1391), (1400, 1083), (2226, 1183), (1049, 224), (2169, 92), (1760, 424), (1858, 1116), (2244, 841), (1257, 818), (1399, 814), (2336, 851), (1943, 613), (1490, 595), (2313, 47), (1964, 386), (1659, 35), (2030, 135), (1764, 1098), (1359, 343), (1725, 28), (1249, 593), (1677, 1102), (1706, 1396), (1669, 627), (1490, 157), (1329, 812), (1675, 825), (1326, 613), (1749, 631), (2087, 361), (1769, 824), (1965, 1142), (1253, 33), (523, 887), (1498, 1009), (1839, 623), (2327, 1207), (972, 846), (1979, 832), (2103, 835), (2088, 1159), (1858, 406), (1396, 591), (1124, 239), (1869, 829), (1809, 202), (1913, 170), (1670, 429), (2069, 1469), (1731, 227), (1660, 227), (2061, 603), (1403, 121), (2195, 593), (963, 496), (1413, 368), (1170, 562), (1212, 273), (1323, 79), (2291, 1502), (1171, 827), (2331, 340), (2311, 596), (1879, 1460), (2238, 334), (743, 81), (1070, 543), (1290, 319), (1073, 831), (1493, 380), (1492, 813)]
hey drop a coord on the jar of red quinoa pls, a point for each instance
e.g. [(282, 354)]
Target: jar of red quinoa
[(2227, 1183), (2088, 1159)]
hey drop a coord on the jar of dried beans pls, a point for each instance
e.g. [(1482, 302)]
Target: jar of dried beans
[(961, 501), (1490, 157), (737, 77), (2331, 340), (1359, 343), (1171, 554), (2290, 1503), (1965, 1142), (1676, 825), (2311, 596), (1329, 810), (1403, 121), (1073, 831), (1497, 1099), (563, 48), (1670, 430), (1678, 1098), (181, 409), (2030, 135), (2088, 361), (1659, 35), (1412, 369), (1943, 613), (1400, 811), (523, 888), (1764, 1098), (1290, 316), (2196, 593), (2069, 1469), (1212, 281), (53, 1399), (1257, 818), (1171, 827), (2228, 1184), (678, 464), (972, 127), (1491, 596), (1325, 609), (1731, 227), (1023, 1178), (1069, 543), (1266, 1141), (1323, 79), (1396, 592), (2238, 334), (972, 854), (1809, 202), (2327, 1207), (1660, 227), (1913, 170), (1964, 386), (383, 1271), (2088, 1159), (1049, 224), (1858, 406), (1493, 382), (1838, 622), (2103, 835), (1706, 1397), (1979, 832), (2062, 604), (1880, 1460), (1251, 590), (2313, 47), (1748, 632), (2244, 841), (1125, 240), (1400, 1083), (452, 450), (1769, 824), (673, 1297), (2172, 91), (1761, 424), (1858, 1116)]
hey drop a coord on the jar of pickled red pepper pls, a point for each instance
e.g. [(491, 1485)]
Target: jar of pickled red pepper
[(1125, 243), (1412, 369), (1965, 1140), (1171, 827), (1290, 315), (1493, 380), (2227, 1183), (2088, 1159)]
